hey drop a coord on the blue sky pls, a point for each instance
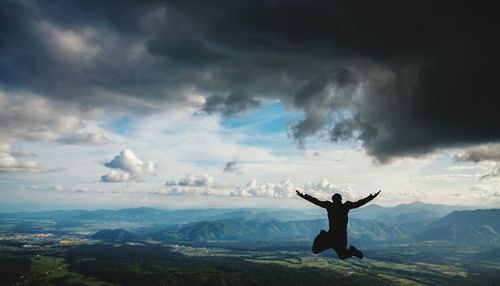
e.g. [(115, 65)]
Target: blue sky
[(191, 150)]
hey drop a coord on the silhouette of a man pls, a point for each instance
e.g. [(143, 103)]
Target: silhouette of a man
[(336, 236)]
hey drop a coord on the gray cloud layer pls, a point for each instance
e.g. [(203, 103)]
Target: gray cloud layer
[(404, 78), (488, 154), (477, 154)]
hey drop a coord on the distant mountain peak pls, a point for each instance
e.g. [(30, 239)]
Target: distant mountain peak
[(119, 234)]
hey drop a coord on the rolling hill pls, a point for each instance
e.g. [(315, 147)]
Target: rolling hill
[(473, 227), (360, 231)]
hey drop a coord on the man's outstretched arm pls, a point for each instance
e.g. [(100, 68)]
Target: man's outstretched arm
[(312, 199), (364, 201)]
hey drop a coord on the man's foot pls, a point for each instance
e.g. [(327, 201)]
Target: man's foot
[(356, 252)]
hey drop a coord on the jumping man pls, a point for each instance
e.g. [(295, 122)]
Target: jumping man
[(336, 236)]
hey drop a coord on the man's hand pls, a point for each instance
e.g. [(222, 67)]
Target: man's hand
[(299, 194), (376, 194)]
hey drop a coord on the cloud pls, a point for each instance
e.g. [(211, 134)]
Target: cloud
[(83, 138), (171, 183), (128, 162), (22, 153), (115, 176), (484, 193), (196, 181), (57, 169), (57, 188), (193, 185), (192, 190), (9, 164), (130, 165), (285, 189), (488, 157), (197, 185), (402, 196), (319, 97), (399, 87), (492, 171), (33, 188), (447, 177), (488, 152), (25, 116), (230, 105), (232, 167), (28, 117), (325, 190)]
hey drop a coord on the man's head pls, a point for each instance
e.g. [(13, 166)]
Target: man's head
[(337, 199)]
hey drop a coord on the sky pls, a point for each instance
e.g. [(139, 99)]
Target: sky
[(240, 103)]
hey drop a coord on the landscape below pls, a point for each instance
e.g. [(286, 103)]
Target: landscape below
[(409, 244)]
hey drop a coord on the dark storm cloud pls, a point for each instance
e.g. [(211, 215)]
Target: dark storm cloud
[(319, 97), (403, 78), (230, 105)]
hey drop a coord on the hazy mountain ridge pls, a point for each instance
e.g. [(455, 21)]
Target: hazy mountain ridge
[(362, 231), (465, 227), (153, 215), (485, 231), (405, 213)]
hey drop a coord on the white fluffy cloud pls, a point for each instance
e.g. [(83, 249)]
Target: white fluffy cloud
[(130, 166), (115, 176), (10, 164), (202, 185), (191, 190), (196, 181), (325, 190), (284, 189)]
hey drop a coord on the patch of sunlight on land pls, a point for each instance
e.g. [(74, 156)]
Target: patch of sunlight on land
[(395, 280), (51, 270), (492, 264), (449, 270), (393, 266), (69, 241), (445, 269), (340, 267)]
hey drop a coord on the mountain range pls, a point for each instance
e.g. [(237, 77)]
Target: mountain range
[(372, 225), (484, 228)]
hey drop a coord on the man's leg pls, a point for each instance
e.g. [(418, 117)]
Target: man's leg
[(343, 253), (340, 248), (322, 242), (355, 252)]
